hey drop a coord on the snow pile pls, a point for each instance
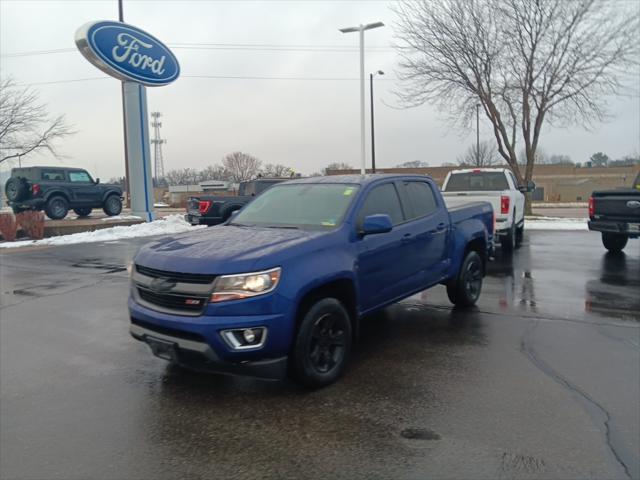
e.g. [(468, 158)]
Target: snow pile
[(170, 225), (555, 223)]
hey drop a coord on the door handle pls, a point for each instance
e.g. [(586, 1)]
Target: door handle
[(441, 226), (406, 238)]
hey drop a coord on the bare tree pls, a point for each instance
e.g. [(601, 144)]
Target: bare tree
[(336, 166), (241, 166), (485, 156), (413, 164), (526, 62), (276, 170), (214, 172), (25, 125), (184, 176)]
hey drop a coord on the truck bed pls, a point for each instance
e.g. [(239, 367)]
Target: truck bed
[(482, 211)]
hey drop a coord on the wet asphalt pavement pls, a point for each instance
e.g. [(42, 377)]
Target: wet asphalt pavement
[(541, 380)]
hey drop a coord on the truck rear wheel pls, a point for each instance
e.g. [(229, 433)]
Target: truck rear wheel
[(465, 290), (57, 208), (508, 242), (323, 344), (614, 242)]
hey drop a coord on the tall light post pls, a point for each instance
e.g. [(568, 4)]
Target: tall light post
[(361, 29), (373, 135), (477, 134)]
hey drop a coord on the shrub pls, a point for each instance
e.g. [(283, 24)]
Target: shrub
[(8, 226), (32, 223)]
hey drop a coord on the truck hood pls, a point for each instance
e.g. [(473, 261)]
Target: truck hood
[(227, 249)]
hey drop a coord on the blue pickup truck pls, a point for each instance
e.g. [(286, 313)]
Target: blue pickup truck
[(281, 287)]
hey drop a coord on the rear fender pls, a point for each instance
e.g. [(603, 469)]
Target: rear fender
[(465, 233), (56, 192)]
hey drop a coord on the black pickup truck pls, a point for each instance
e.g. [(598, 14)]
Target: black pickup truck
[(616, 213), (58, 189), (215, 209)]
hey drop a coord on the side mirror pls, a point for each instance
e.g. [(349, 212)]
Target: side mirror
[(97, 181), (379, 223), (529, 187)]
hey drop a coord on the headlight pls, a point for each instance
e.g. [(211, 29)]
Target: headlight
[(233, 287)]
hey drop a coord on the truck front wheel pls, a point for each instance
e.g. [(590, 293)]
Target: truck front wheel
[(323, 344), (465, 290), (614, 242)]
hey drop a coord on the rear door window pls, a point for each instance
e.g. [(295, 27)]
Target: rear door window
[(383, 200), (422, 201), (53, 175), (477, 182)]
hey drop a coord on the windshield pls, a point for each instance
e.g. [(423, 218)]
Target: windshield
[(308, 206), (477, 182), (636, 183)]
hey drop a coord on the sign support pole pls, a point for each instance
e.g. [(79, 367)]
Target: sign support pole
[(137, 147)]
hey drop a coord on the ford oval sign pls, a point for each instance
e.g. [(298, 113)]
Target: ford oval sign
[(127, 53)]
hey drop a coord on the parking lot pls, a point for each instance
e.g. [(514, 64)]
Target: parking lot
[(540, 380)]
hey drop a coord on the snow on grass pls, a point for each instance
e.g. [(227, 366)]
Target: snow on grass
[(170, 225), (555, 223)]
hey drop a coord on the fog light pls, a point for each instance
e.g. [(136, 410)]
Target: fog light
[(245, 338), (249, 335)]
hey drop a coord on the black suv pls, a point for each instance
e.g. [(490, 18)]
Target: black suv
[(58, 189)]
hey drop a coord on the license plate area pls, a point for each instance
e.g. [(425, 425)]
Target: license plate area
[(633, 227), (162, 348)]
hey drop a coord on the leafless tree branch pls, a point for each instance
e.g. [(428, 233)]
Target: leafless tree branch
[(25, 125)]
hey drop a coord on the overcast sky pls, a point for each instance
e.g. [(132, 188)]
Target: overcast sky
[(305, 123)]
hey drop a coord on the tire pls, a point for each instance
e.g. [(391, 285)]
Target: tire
[(323, 344), (614, 242), (520, 235), (16, 189), (112, 205), (508, 242), (465, 290), (57, 208), (83, 211)]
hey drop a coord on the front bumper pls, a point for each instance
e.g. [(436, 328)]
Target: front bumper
[(625, 228), (199, 356), (196, 342)]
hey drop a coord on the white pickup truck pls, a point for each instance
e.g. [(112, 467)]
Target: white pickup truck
[(497, 186)]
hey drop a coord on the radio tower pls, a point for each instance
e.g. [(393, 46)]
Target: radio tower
[(158, 170)]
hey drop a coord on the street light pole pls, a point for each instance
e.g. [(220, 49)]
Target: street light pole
[(477, 135), (361, 29), (373, 141)]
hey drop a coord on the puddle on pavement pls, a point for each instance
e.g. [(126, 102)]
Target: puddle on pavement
[(98, 265), (419, 434)]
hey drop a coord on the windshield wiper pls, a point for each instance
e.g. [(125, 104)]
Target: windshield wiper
[(291, 227)]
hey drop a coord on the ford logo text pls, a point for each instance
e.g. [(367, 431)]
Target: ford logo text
[(127, 53)]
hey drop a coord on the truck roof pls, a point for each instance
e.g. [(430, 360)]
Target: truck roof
[(355, 179), (57, 167), (479, 169)]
